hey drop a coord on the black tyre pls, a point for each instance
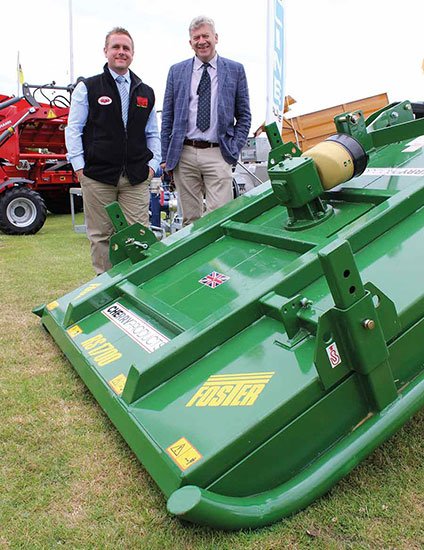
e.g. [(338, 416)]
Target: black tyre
[(59, 203), (22, 211)]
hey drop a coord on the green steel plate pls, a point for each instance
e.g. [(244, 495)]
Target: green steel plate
[(250, 367)]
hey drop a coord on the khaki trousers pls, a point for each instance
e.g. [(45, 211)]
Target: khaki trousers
[(134, 201), (202, 173)]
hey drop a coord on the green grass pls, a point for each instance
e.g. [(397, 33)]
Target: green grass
[(67, 478)]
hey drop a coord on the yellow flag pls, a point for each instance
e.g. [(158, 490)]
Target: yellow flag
[(20, 74)]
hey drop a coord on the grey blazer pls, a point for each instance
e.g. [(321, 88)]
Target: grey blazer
[(233, 110)]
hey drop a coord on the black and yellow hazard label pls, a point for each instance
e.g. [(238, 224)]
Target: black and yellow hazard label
[(52, 305), (118, 383), (74, 331), (183, 453), (231, 390)]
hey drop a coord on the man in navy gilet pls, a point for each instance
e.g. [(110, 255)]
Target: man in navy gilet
[(113, 143)]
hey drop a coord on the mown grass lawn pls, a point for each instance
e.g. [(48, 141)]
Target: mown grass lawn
[(67, 478)]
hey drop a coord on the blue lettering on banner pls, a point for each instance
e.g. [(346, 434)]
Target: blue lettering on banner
[(277, 88)]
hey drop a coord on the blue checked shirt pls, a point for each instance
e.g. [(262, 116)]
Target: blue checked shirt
[(78, 115)]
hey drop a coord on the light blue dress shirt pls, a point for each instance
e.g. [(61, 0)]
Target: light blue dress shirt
[(193, 132), (78, 115)]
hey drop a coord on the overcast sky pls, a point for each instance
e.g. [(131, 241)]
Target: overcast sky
[(336, 50)]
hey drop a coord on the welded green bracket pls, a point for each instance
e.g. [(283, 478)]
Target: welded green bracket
[(129, 241), (353, 124), (279, 150), (386, 312), (395, 113), (288, 311), (116, 216), (393, 123), (354, 326)]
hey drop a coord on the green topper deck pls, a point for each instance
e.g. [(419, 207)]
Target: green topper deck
[(254, 358)]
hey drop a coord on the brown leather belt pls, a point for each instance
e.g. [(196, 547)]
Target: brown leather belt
[(200, 144)]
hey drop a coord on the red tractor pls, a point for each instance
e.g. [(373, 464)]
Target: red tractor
[(34, 173)]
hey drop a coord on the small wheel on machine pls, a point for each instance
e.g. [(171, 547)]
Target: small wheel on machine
[(22, 211)]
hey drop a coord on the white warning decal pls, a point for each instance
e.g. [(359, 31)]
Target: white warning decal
[(417, 172), (135, 327), (333, 355)]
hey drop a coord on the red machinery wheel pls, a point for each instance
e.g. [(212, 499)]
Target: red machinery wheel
[(22, 211)]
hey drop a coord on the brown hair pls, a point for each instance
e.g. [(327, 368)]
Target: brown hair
[(118, 30)]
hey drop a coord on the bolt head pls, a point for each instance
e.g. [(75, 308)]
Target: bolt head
[(368, 324)]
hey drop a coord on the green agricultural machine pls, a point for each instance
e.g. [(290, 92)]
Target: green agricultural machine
[(253, 359)]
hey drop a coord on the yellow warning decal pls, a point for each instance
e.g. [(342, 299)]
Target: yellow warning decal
[(231, 390), (52, 305), (88, 289), (183, 453), (51, 114), (74, 331), (101, 350), (118, 383)]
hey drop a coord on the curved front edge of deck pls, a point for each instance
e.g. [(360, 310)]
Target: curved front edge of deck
[(205, 507)]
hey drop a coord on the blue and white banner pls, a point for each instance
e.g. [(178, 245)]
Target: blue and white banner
[(275, 69)]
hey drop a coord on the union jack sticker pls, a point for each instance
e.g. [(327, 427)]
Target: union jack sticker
[(214, 279)]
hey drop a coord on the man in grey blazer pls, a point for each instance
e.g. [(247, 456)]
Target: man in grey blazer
[(205, 122)]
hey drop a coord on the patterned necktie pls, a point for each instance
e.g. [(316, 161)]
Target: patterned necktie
[(125, 99), (203, 120)]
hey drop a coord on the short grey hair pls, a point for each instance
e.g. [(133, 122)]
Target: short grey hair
[(199, 21)]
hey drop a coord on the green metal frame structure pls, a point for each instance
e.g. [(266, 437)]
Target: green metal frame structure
[(253, 359)]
